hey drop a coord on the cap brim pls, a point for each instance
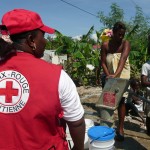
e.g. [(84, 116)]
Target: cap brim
[(47, 29)]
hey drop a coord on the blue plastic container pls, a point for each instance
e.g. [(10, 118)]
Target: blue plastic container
[(101, 138)]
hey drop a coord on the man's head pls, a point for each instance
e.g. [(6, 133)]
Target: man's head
[(135, 84), (119, 30)]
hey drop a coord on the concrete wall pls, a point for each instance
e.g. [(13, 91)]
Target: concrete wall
[(51, 57)]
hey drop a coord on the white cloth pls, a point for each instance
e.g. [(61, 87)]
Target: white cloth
[(112, 61), (146, 72), (69, 98)]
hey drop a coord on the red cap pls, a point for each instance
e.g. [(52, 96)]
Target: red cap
[(21, 20)]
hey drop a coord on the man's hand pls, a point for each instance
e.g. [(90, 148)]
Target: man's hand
[(111, 76)]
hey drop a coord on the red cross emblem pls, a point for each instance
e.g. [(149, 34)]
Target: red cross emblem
[(8, 92)]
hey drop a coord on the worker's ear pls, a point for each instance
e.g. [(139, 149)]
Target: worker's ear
[(30, 41)]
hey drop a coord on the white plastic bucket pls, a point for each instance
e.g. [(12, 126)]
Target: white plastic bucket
[(88, 123), (101, 138), (139, 107)]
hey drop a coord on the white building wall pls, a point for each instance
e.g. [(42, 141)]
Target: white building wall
[(49, 56)]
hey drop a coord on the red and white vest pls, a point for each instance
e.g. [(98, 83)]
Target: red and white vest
[(30, 110)]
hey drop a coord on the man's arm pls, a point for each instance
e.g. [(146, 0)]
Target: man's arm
[(103, 57), (77, 132), (144, 81), (136, 100)]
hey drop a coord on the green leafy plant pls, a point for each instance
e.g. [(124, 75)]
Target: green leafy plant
[(80, 53)]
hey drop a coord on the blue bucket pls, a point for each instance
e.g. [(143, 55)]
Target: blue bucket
[(101, 137)]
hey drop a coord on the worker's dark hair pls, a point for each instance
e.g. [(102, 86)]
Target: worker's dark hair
[(6, 47), (119, 25)]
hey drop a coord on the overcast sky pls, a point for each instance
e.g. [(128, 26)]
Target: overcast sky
[(78, 16)]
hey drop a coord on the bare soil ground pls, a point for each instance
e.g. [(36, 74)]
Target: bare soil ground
[(135, 131)]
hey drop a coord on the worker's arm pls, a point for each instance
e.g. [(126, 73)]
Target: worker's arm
[(73, 110), (77, 132)]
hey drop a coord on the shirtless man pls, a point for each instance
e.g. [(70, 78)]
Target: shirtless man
[(115, 64)]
